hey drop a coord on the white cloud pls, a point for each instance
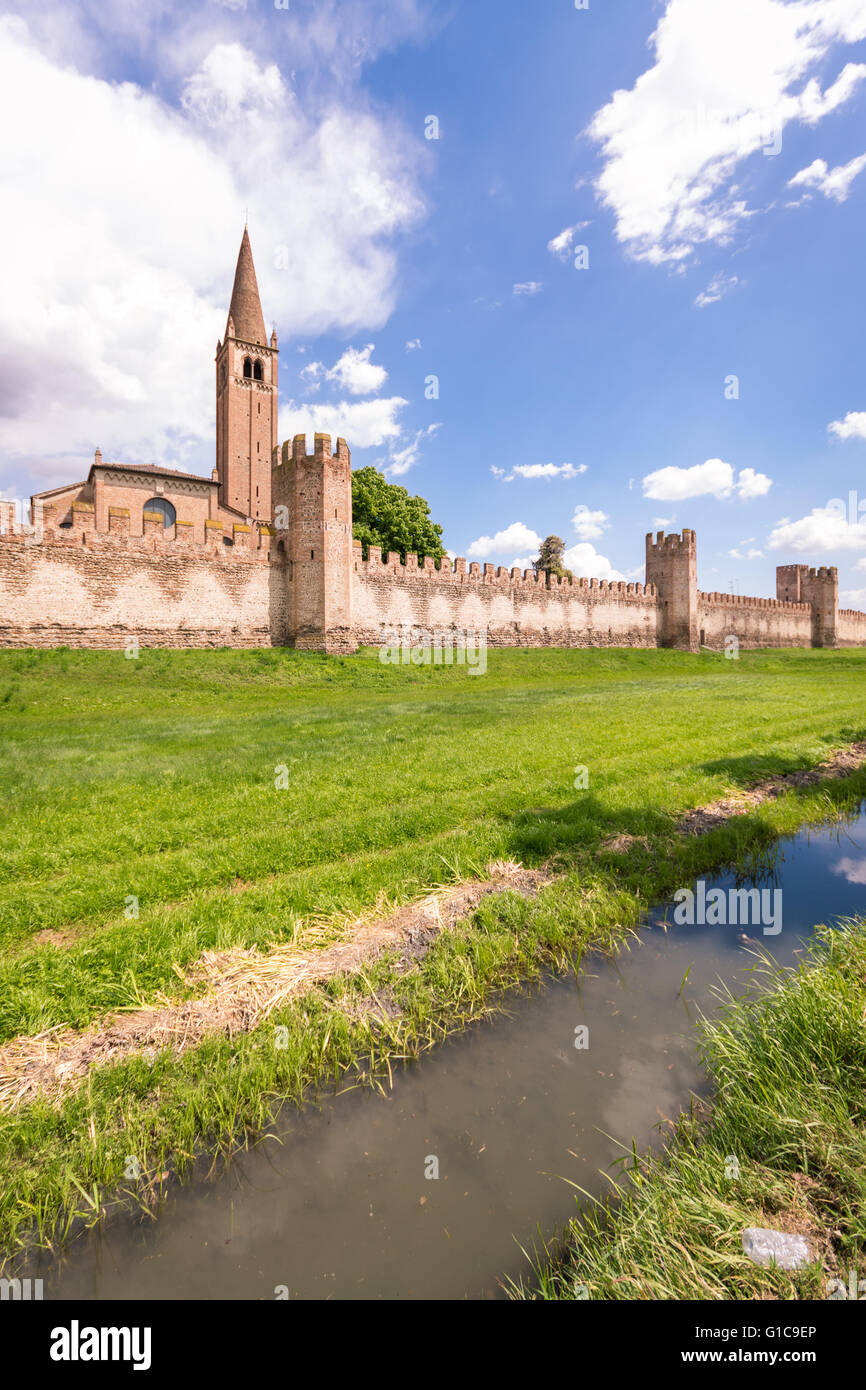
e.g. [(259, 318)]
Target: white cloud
[(718, 287), (530, 471), (560, 246), (128, 215), (355, 373), (514, 537), (824, 529), (661, 523), (714, 478), (852, 427), (833, 183), (750, 555), (364, 424), (413, 345), (528, 287), (854, 870), (401, 460), (727, 76), (585, 562), (589, 525), (751, 484)]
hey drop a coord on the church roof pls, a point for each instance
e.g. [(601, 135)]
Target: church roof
[(245, 312), (154, 468)]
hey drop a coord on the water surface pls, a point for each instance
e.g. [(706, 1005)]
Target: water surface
[(336, 1203)]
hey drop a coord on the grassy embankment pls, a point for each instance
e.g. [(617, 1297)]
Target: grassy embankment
[(789, 1069), (155, 780)]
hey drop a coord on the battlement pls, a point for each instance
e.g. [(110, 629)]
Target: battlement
[(672, 544), (246, 544), (745, 601), (322, 449), (464, 572)]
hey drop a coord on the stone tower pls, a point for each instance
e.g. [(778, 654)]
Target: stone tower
[(312, 496), (820, 588), (246, 398), (672, 565)]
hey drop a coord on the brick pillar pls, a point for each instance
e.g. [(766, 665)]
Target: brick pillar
[(672, 566)]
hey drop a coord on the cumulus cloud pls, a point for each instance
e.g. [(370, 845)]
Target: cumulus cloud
[(128, 215), (413, 345), (365, 424), (751, 484), (713, 478), (833, 183), (852, 427), (517, 536), (824, 529), (589, 525), (727, 76), (528, 287), (355, 373), (585, 562), (531, 471)]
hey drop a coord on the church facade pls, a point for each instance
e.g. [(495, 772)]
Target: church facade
[(260, 553)]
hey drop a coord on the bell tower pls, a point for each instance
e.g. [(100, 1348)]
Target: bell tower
[(246, 398)]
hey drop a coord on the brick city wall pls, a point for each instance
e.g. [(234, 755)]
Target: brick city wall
[(95, 591), (514, 609), (755, 622)]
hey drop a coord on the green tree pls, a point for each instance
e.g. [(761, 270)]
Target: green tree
[(384, 514), (550, 558)]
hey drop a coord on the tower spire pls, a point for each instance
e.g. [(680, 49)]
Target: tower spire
[(245, 311)]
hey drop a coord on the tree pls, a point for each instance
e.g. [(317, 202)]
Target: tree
[(550, 558), (384, 514)]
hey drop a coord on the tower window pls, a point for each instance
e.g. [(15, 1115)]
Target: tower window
[(165, 509), (248, 368), (257, 371)]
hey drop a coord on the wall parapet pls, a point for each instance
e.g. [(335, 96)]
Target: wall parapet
[(745, 601), (462, 572), (249, 547)]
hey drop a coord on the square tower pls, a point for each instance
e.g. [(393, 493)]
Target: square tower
[(672, 566)]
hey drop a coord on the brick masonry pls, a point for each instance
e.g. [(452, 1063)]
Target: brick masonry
[(304, 582), (261, 554)]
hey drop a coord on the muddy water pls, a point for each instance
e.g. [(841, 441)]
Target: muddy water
[(336, 1204)]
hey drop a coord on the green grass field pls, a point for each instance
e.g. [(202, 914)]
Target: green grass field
[(154, 780)]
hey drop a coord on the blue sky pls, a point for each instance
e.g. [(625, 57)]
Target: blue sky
[(709, 155)]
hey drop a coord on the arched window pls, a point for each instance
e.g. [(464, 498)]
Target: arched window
[(248, 368), (257, 371), (165, 509)]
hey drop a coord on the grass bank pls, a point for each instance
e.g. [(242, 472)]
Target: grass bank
[(185, 802), (784, 1147)]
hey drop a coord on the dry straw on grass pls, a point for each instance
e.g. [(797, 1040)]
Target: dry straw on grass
[(241, 988)]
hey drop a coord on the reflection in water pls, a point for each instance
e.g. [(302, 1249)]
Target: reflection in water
[(335, 1203)]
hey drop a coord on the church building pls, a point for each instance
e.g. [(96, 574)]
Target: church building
[(238, 492)]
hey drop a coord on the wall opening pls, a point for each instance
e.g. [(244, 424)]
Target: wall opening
[(165, 509)]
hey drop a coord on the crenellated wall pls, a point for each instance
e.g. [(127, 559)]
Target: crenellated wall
[(755, 622), (83, 589), (512, 608), (304, 582), (850, 628)]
